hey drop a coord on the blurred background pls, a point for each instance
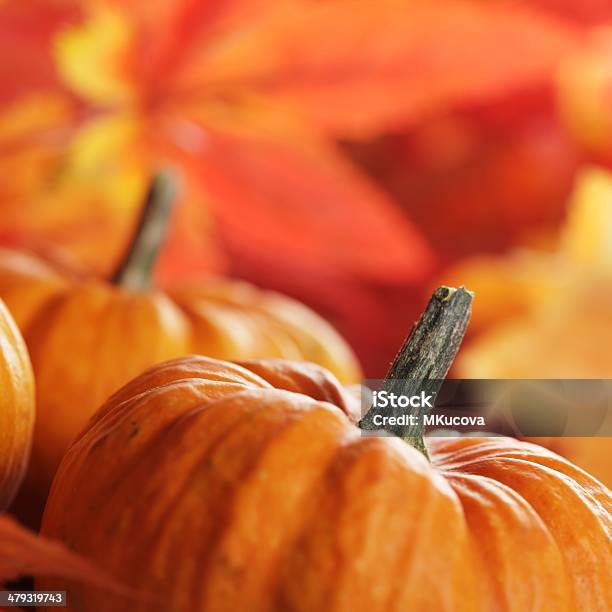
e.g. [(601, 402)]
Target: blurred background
[(349, 153)]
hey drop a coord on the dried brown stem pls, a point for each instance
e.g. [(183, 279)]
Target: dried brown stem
[(425, 358)]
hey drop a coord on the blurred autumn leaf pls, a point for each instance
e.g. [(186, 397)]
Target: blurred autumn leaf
[(248, 99), (485, 176), (480, 179), (546, 314), (585, 92)]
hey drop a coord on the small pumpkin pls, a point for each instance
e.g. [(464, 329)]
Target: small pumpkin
[(87, 337), (248, 486), (17, 408)]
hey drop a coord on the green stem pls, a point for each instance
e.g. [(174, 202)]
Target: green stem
[(136, 268), (425, 358)]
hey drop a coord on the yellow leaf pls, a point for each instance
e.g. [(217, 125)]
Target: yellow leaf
[(587, 236), (90, 58)]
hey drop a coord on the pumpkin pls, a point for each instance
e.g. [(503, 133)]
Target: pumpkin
[(248, 486), (17, 408), (87, 337)]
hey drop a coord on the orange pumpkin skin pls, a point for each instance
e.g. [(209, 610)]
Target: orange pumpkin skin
[(221, 486), (232, 320), (88, 337), (17, 408), (591, 454)]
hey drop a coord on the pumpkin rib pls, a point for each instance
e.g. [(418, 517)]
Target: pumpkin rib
[(139, 326), (499, 446), (588, 486), (167, 521), (485, 499), (220, 510), (296, 318), (454, 450), (276, 338), (596, 553), (402, 597), (188, 368), (282, 462), (305, 378), (305, 581), (111, 326), (421, 543), (317, 487), (598, 494)]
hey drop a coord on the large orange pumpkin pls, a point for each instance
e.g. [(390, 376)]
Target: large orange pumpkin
[(16, 408), (223, 486), (87, 337)]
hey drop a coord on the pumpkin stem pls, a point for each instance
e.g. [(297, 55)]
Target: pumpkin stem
[(136, 268), (424, 360)]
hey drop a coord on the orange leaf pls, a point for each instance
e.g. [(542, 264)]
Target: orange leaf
[(546, 314), (350, 68), (23, 552), (358, 68)]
